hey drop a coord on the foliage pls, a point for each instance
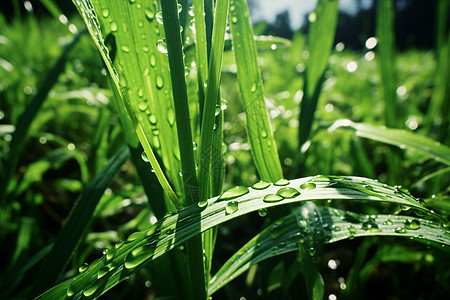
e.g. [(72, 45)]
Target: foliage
[(190, 111)]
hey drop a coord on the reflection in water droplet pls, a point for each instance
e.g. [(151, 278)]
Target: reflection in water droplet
[(149, 15), (144, 156), (113, 26), (159, 17), (102, 272), (270, 198), (83, 267), (218, 110), (202, 204), (162, 46), (105, 13), (288, 192), (412, 224), (234, 20), (231, 207), (260, 185), (170, 116), (311, 251), (253, 88), (152, 119), (125, 49), (308, 186), (235, 192), (400, 230), (262, 212), (179, 7), (152, 60), (142, 106), (194, 146), (281, 182), (388, 222)]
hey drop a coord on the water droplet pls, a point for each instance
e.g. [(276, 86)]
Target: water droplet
[(118, 244), (308, 186), (125, 49), (152, 119), (83, 268), (388, 222), (162, 46), (110, 254), (134, 236), (103, 271), (234, 20), (281, 182), (202, 203), (218, 110), (262, 212), (90, 290), (370, 225), (253, 88), (311, 251), (412, 224), (149, 15), (270, 198), (152, 60), (132, 1), (263, 133), (113, 26), (400, 230), (288, 192), (142, 106), (260, 185), (159, 81), (179, 7), (105, 13), (144, 156), (170, 116), (186, 71), (231, 207), (352, 229), (194, 146), (159, 17), (140, 255), (223, 104), (235, 192)]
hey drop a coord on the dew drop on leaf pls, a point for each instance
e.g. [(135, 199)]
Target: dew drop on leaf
[(271, 198), (90, 290), (308, 186), (179, 7), (288, 192), (159, 17), (152, 119), (234, 192), (311, 251), (170, 116), (144, 156), (388, 222), (159, 82), (149, 15), (412, 224), (281, 182), (231, 207), (234, 20), (83, 267), (102, 272), (260, 185), (125, 49), (161, 46), (262, 212), (202, 203), (152, 60), (105, 13), (400, 230), (113, 26), (253, 88)]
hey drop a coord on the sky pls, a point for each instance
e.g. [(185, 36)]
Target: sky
[(268, 9)]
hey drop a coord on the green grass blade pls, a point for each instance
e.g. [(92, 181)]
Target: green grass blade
[(211, 100), (320, 41), (77, 222), (179, 91), (267, 244), (200, 51), (400, 138), (142, 247), (27, 117), (153, 83), (262, 142)]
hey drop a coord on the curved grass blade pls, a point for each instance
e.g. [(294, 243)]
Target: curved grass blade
[(77, 222), (320, 42), (398, 137), (142, 247), (262, 142), (277, 239)]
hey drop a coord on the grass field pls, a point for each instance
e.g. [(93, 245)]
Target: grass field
[(208, 163)]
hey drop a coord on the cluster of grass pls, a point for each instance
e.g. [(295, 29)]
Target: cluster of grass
[(137, 144)]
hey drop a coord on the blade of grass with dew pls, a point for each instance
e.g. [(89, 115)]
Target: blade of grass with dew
[(284, 235), (262, 142), (176, 62), (400, 138), (386, 49), (320, 42), (166, 137), (76, 223), (200, 51), (27, 117), (141, 247)]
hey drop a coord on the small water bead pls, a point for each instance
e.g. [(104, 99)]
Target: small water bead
[(159, 17), (179, 7), (223, 104), (144, 156), (83, 268), (311, 251), (171, 116), (105, 251), (149, 15), (400, 230), (118, 244), (235, 192), (412, 224), (253, 88), (282, 182), (260, 185), (142, 106), (152, 60), (132, 1), (231, 207), (202, 203), (103, 271), (263, 133), (186, 71), (110, 254), (159, 82), (352, 229), (152, 119), (113, 26), (234, 20), (90, 290), (271, 198), (194, 146), (134, 236), (288, 192), (162, 46), (217, 111), (105, 13), (388, 222), (308, 186), (262, 212)]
